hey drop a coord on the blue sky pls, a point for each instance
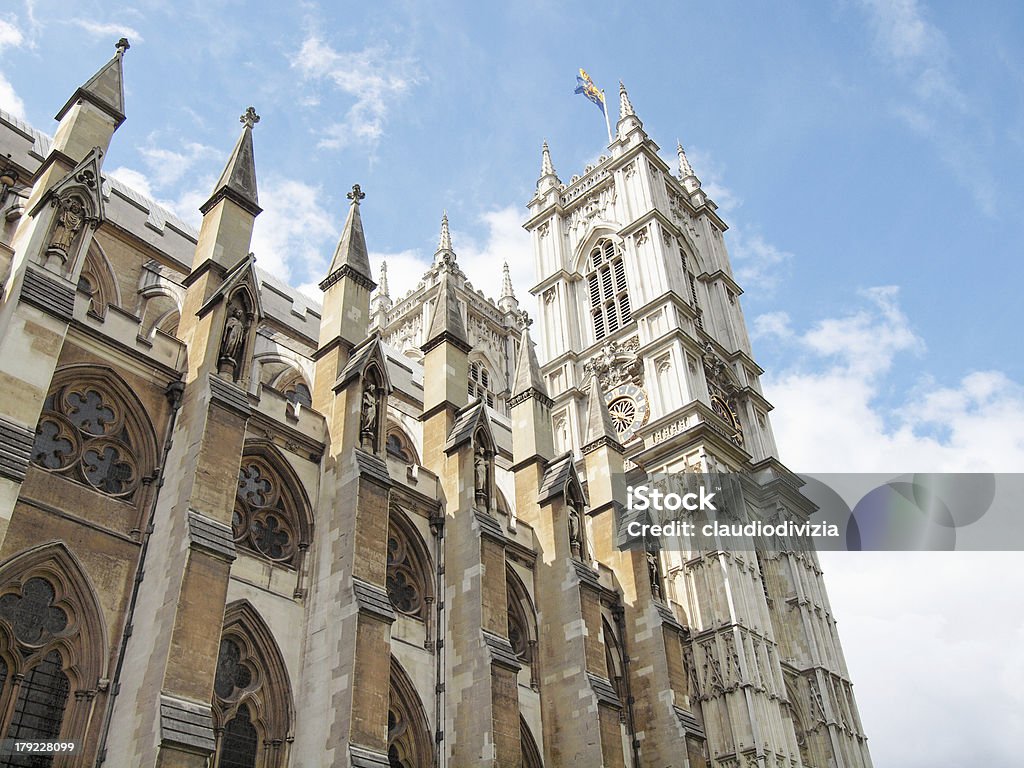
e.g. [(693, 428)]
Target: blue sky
[(866, 156)]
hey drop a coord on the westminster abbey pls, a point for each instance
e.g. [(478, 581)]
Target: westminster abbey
[(239, 528)]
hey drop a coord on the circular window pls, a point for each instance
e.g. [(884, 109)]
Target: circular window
[(623, 413)]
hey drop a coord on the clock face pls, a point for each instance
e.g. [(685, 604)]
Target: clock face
[(627, 405)]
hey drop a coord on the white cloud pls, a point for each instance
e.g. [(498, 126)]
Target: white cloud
[(294, 232), (505, 241), (137, 180), (108, 29), (10, 35), (372, 77), (833, 419), (168, 166), (9, 99), (405, 268)]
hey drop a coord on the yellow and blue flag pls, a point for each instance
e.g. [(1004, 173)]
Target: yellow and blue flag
[(586, 86)]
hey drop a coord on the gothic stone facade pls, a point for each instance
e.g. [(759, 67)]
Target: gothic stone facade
[(241, 529)]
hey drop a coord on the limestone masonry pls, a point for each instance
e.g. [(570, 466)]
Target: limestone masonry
[(239, 528)]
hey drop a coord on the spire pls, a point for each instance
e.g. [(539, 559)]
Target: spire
[(625, 107), (600, 428), (507, 302), (690, 181), (105, 89), (238, 181), (350, 257), (685, 169), (382, 286), (507, 292), (446, 323), (546, 168), (444, 252), (527, 376)]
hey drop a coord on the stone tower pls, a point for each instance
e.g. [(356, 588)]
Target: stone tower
[(640, 321)]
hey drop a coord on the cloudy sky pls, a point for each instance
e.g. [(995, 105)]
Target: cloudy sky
[(866, 156)]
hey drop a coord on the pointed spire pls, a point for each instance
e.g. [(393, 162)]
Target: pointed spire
[(625, 107), (546, 167), (444, 242), (238, 181), (507, 302), (105, 89), (527, 376), (351, 257), (446, 323), (382, 286), (600, 427), (690, 181), (506, 283), (685, 169)]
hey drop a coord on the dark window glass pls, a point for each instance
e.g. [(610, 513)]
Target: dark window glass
[(39, 710), (239, 742)]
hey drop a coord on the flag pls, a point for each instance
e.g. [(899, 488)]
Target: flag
[(586, 86)]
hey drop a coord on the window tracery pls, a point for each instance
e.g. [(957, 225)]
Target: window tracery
[(252, 702), (51, 643), (409, 743), (88, 433), (408, 574), (608, 290), (400, 446), (267, 517)]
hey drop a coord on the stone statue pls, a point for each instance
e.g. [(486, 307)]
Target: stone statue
[(480, 475), (368, 423), (234, 333), (574, 524), (654, 572), (70, 217)]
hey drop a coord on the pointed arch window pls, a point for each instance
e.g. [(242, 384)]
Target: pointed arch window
[(408, 581), (409, 742), (479, 385), (88, 432), (252, 701), (608, 290), (270, 516), (52, 643)]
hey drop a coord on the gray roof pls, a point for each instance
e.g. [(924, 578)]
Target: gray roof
[(372, 599), (501, 651), (465, 425), (555, 476)]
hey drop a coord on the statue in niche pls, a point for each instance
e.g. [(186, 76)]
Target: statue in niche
[(654, 572), (70, 218), (575, 528), (368, 416), (232, 342), (481, 472)]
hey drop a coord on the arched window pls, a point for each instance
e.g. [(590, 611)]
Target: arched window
[(522, 624), (52, 643), (609, 293), (614, 659), (399, 445), (409, 742), (92, 429), (479, 385), (252, 700), (271, 515), (98, 282), (528, 746), (408, 580)]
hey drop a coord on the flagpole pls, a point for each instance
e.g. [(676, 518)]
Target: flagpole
[(608, 125)]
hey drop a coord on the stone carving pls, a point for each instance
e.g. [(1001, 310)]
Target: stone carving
[(575, 528), (232, 343), (481, 477), (615, 364), (654, 573), (71, 216), (640, 237)]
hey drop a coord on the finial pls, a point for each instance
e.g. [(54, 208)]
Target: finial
[(445, 242), (249, 118), (122, 45), (382, 286), (625, 107), (506, 285), (685, 169), (546, 167), (355, 195)]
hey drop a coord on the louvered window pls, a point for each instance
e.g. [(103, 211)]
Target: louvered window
[(609, 291)]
